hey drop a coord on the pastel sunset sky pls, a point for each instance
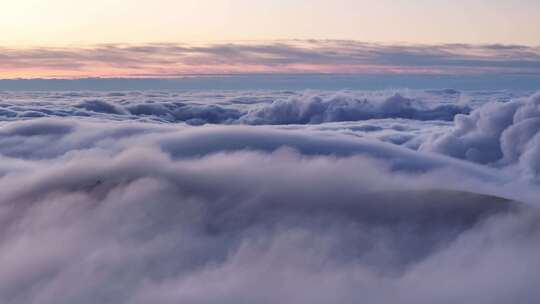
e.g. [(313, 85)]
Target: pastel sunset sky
[(167, 38)]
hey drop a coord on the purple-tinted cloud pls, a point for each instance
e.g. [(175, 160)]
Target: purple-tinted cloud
[(273, 57)]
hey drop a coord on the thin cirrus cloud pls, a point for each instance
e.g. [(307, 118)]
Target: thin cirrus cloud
[(306, 56)]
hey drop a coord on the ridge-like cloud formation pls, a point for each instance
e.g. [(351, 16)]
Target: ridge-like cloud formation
[(309, 56), (312, 107)]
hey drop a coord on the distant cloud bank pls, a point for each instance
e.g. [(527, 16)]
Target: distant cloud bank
[(296, 56)]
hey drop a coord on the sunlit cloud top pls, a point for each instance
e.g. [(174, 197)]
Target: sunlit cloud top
[(313, 56)]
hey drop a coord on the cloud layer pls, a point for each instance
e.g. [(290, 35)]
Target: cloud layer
[(379, 197), (308, 56)]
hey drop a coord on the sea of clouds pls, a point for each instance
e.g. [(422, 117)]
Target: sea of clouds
[(395, 196)]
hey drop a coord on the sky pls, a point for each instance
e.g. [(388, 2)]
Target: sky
[(32, 30), (44, 22)]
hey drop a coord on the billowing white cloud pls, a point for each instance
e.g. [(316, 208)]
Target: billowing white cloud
[(497, 133)]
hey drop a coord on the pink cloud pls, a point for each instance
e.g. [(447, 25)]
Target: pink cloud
[(162, 60)]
